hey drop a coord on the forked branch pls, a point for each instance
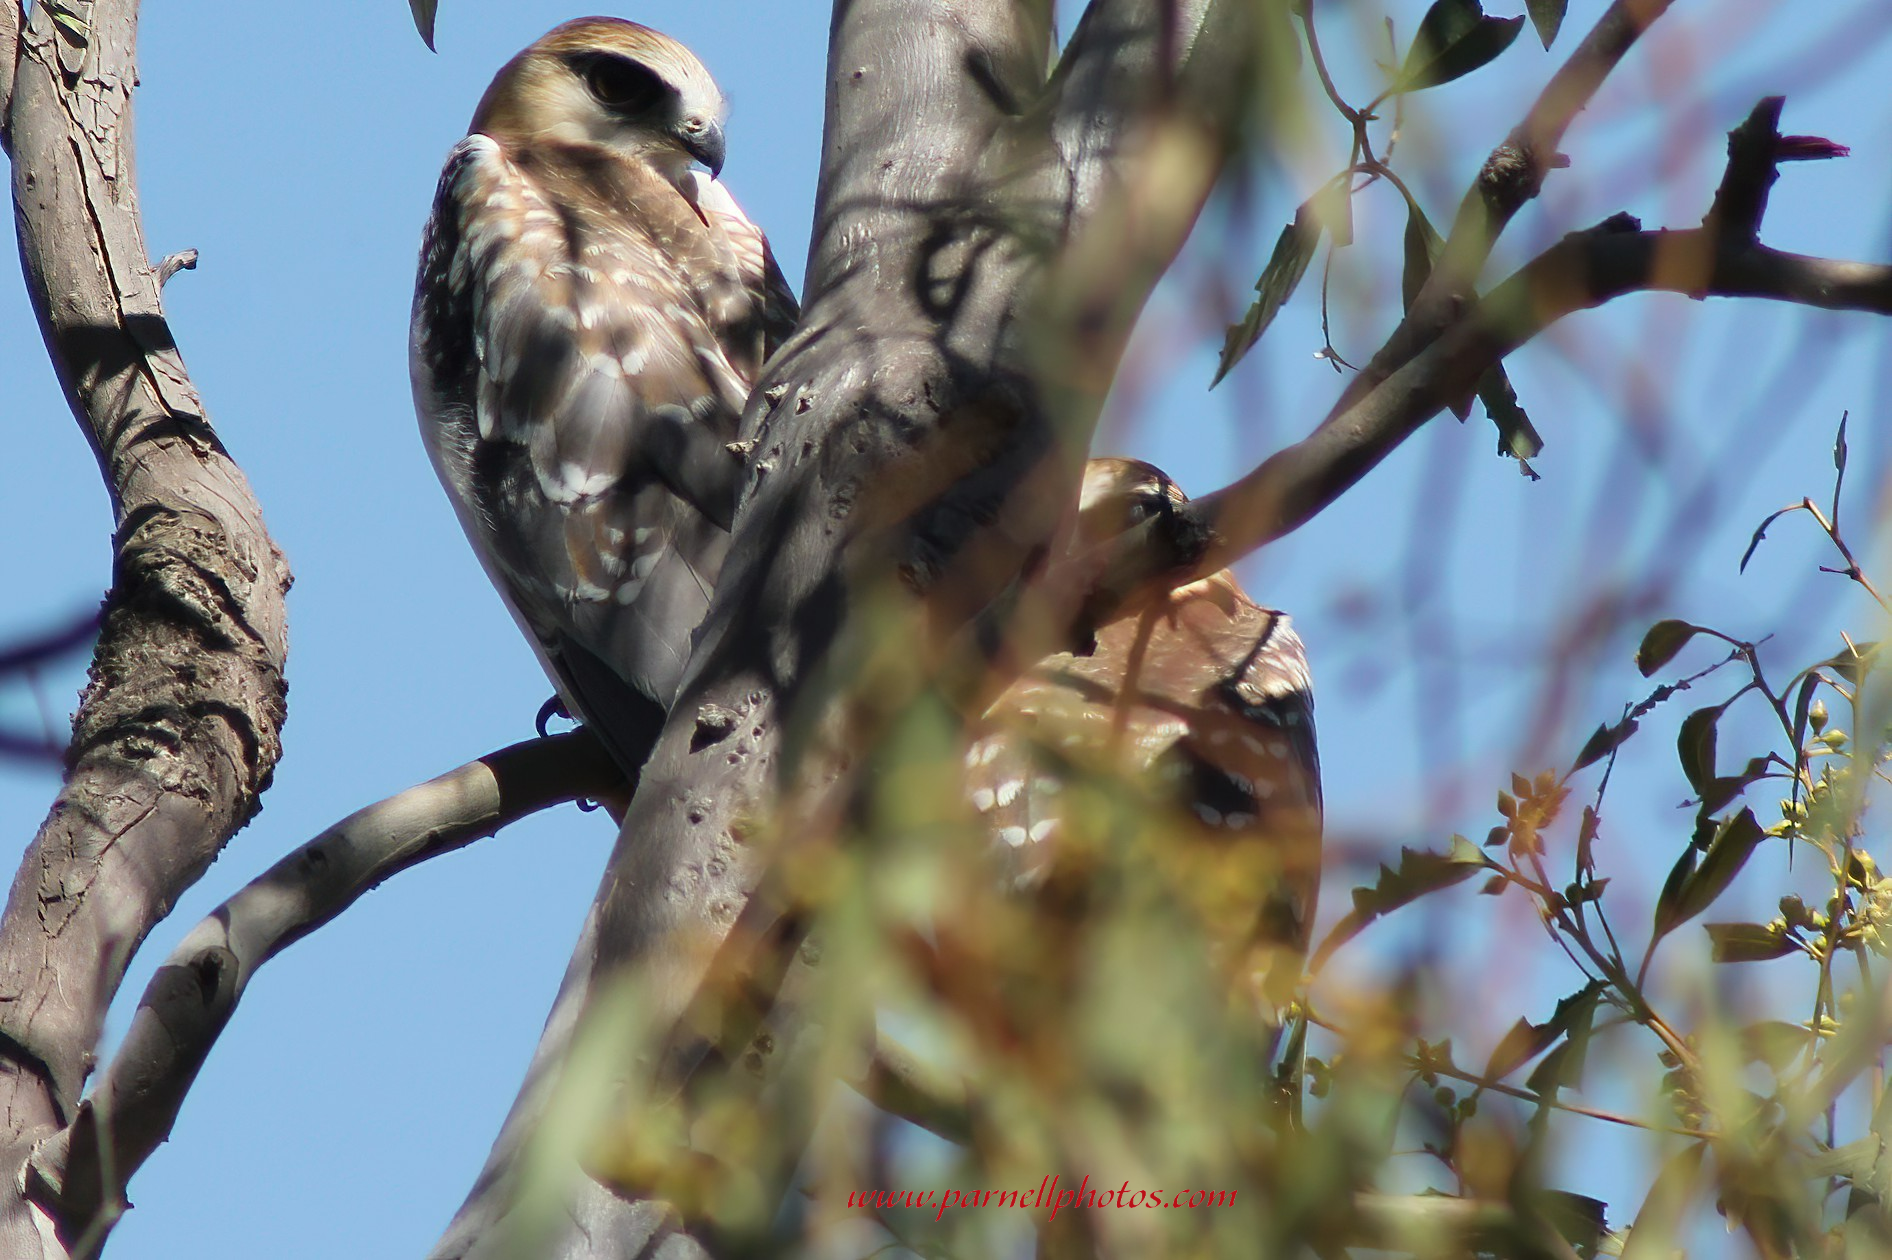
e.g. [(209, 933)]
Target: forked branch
[(1722, 258), (79, 1175), (179, 731)]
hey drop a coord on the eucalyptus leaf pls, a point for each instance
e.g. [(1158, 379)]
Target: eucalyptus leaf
[(423, 11), (1748, 942), (1695, 745), (1605, 741), (1664, 640), (1694, 886), (1455, 38), (1547, 17), (1292, 253)]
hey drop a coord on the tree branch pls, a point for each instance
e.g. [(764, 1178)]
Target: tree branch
[(1510, 177), (41, 649), (1131, 62), (179, 731), (9, 60), (79, 1175), (908, 464), (1722, 258), (946, 76), (902, 1084)]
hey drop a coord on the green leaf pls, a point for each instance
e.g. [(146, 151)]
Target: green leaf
[(423, 11), (1422, 246), (1874, 1186), (1695, 745), (1692, 888), (1547, 16), (1292, 252), (1548, 1075), (1854, 1161), (1605, 741), (1803, 708), (1586, 843), (1420, 872), (1659, 1221), (1667, 916), (1455, 38), (1748, 942), (1720, 790), (1760, 532), (1723, 788), (71, 23), (1523, 1043), (1664, 640), (1572, 1018), (1853, 663), (1774, 1042)]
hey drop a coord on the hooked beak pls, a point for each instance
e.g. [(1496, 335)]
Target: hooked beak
[(702, 139)]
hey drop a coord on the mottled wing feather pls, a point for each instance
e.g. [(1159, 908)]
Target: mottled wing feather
[(771, 305), (570, 317), (1209, 696)]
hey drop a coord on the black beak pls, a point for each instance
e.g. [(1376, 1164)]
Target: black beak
[(703, 140)]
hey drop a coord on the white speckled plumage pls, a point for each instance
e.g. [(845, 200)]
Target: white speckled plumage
[(584, 293), (1204, 694)]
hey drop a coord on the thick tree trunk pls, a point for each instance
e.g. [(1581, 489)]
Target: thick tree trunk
[(906, 442), (179, 730)]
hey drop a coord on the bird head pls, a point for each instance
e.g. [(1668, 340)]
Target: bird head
[(610, 84), (1120, 494)]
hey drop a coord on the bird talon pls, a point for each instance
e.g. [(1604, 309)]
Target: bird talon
[(555, 707)]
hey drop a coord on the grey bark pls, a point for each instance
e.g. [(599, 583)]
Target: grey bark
[(970, 234), (1722, 258), (79, 1175), (179, 729), (963, 239), (903, 442)]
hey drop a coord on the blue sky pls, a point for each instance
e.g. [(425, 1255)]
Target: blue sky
[(354, 1095)]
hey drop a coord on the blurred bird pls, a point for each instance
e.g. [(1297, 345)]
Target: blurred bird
[(590, 315), (1203, 698)]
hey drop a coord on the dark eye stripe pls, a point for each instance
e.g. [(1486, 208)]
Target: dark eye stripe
[(622, 85)]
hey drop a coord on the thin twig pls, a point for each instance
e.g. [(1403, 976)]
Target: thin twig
[(1517, 1092), (1510, 177)]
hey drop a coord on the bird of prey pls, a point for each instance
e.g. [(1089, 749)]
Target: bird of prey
[(590, 315), (1203, 699)]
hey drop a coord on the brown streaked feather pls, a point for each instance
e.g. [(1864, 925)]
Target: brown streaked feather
[(1205, 699), (586, 304)]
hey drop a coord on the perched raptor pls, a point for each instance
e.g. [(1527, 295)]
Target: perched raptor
[(590, 315), (1203, 698)]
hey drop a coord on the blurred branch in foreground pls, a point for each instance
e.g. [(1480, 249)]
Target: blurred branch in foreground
[(22, 663)]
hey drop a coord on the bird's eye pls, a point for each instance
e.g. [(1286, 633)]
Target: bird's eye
[(623, 86), (1146, 504)]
